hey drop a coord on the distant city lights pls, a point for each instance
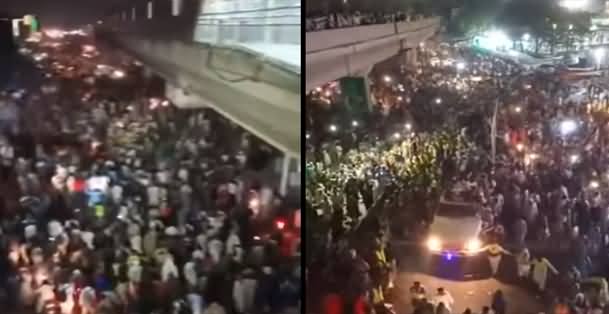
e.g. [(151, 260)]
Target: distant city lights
[(574, 4)]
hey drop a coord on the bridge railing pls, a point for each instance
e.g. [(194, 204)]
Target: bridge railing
[(338, 20), (252, 21)]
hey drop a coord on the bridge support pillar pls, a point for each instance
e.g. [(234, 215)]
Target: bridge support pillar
[(411, 56), (290, 175)]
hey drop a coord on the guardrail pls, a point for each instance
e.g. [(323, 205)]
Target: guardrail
[(259, 22), (337, 20)]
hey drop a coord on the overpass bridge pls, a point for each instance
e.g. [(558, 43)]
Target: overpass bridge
[(238, 57), (336, 53)]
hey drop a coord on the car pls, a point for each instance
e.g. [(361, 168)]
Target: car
[(455, 230)]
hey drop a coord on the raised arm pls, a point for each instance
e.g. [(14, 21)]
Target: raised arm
[(552, 268)]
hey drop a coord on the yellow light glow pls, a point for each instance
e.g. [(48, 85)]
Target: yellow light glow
[(473, 246), (434, 244)]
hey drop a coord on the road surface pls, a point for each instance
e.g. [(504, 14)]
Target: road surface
[(473, 292)]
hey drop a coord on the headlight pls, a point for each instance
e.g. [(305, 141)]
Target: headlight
[(473, 245), (434, 244)]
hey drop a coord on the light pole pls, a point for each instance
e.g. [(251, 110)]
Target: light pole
[(494, 133), (553, 38)]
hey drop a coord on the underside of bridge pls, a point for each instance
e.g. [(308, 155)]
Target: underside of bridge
[(248, 89), (337, 53)]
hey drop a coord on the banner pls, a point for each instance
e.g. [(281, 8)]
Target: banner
[(355, 95)]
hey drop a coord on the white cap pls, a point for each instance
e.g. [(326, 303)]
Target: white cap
[(198, 254), (30, 231), (55, 228), (171, 231)]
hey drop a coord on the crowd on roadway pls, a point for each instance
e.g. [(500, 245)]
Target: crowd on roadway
[(113, 201), (543, 193)]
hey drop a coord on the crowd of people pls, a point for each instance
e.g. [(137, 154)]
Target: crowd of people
[(114, 201), (320, 22), (543, 190)]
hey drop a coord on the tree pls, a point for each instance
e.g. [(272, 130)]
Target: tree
[(545, 21), (474, 17)]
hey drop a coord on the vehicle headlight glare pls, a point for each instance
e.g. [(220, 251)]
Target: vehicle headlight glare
[(434, 244), (473, 245)]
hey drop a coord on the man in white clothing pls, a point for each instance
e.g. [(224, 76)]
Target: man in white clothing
[(444, 297), (169, 269)]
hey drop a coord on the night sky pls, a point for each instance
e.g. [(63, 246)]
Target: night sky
[(60, 12)]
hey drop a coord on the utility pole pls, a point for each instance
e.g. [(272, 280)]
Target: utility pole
[(494, 133)]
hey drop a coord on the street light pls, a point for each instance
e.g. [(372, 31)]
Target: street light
[(518, 109), (574, 4), (408, 126), (308, 136), (397, 135), (355, 124), (438, 100), (554, 25), (570, 26), (526, 36), (387, 79), (333, 128)]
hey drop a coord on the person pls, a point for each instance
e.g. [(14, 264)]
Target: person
[(561, 307), (443, 296), (524, 263), (495, 252), (417, 293), (486, 310), (442, 309), (540, 272), (498, 303)]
